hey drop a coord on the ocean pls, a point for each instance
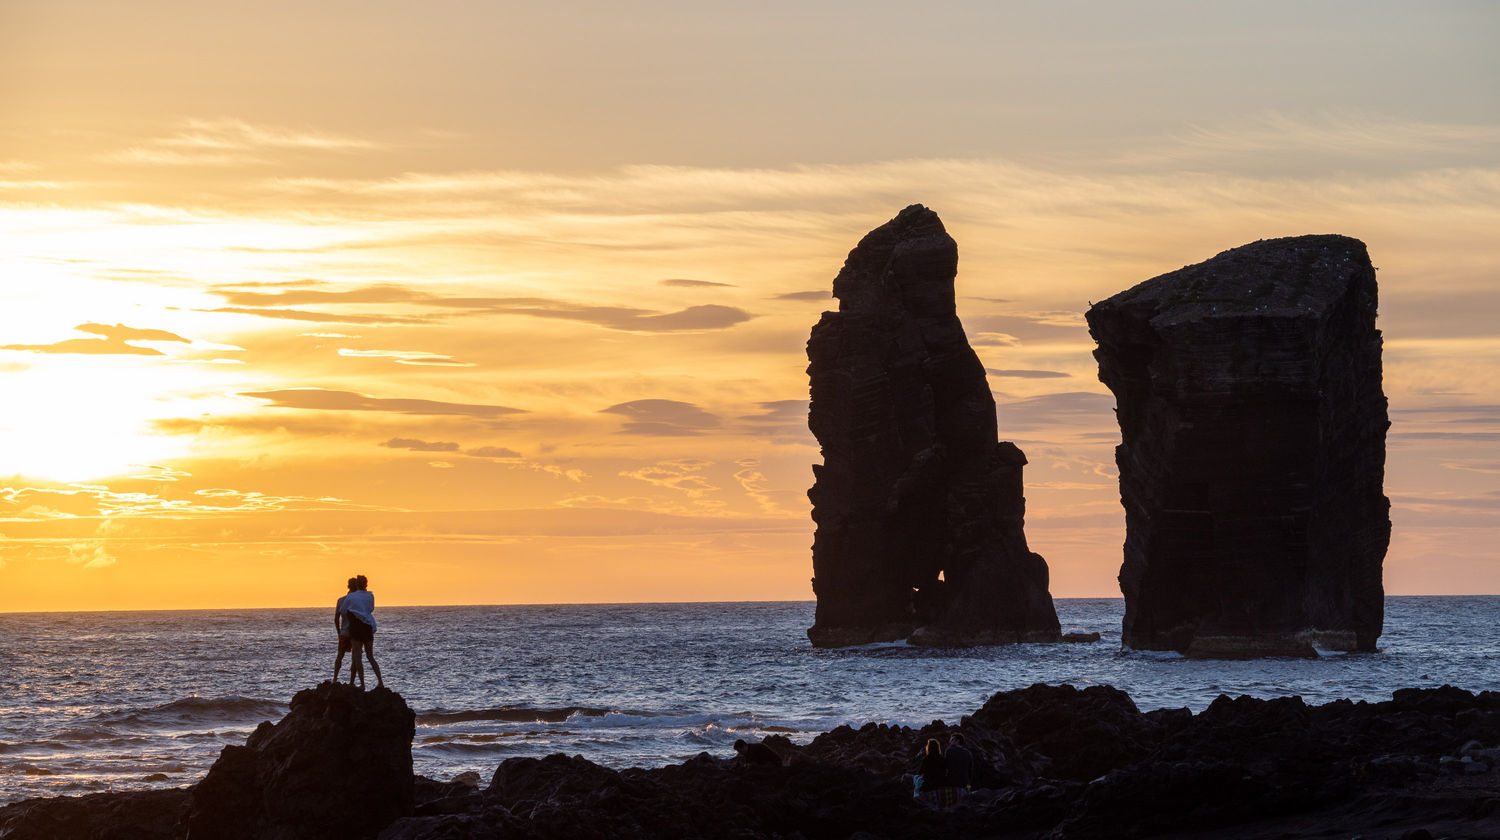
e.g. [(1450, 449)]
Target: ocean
[(135, 700)]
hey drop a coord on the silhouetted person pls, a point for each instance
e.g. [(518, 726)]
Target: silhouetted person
[(756, 753), (359, 623), (934, 769), (338, 627), (960, 763)]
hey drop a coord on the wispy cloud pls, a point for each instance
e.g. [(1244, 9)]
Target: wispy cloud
[(233, 142), (624, 318), (421, 445), (665, 418), (302, 292), (1026, 374), (87, 346), (500, 452), (320, 399), (1075, 409), (993, 339), (407, 357), (762, 490), (781, 421), (1272, 136), (681, 474), (90, 555), (124, 333), (318, 317), (1486, 467), (703, 317), (115, 341), (91, 502), (257, 424)]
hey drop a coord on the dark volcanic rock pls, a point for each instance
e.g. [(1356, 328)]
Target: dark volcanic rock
[(337, 766), (1253, 450), (1075, 735), (1050, 762), (919, 507), (137, 815)]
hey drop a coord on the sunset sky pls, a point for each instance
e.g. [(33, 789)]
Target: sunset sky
[(506, 302)]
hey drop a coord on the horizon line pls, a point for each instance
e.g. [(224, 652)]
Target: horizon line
[(592, 604)]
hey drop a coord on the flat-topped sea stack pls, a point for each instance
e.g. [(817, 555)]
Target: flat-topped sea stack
[(918, 505), (1252, 461)]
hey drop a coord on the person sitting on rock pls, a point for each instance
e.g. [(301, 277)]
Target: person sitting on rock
[(342, 631), (933, 774), (960, 763), (756, 753)]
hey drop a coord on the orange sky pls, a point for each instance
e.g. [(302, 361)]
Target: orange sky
[(495, 304)]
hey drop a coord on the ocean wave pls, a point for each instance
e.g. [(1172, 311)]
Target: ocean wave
[(25, 769), (491, 737), (87, 733), (510, 714), (196, 711), (465, 748)]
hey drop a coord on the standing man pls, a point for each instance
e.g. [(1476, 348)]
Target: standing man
[(341, 629)]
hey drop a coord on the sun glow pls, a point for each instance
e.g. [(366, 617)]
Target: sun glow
[(77, 418)]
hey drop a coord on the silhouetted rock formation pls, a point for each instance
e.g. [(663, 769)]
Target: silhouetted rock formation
[(1050, 763), (919, 508), (133, 815), (337, 766), (1253, 450)]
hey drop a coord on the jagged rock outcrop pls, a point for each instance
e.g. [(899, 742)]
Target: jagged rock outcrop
[(1049, 762), (129, 815), (918, 506), (1252, 420), (337, 766)]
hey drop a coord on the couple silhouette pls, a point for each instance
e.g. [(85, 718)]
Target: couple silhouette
[(354, 619)]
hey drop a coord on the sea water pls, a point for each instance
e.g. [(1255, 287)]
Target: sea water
[(136, 700)]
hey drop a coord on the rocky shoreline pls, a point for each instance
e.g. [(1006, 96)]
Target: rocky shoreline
[(1055, 762)]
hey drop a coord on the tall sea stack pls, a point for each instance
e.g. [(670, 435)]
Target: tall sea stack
[(1252, 461), (918, 506)]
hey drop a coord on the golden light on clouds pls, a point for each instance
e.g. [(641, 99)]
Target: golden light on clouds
[(560, 356)]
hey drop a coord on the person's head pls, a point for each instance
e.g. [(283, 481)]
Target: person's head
[(361, 582), (957, 740), (740, 745), (353, 584), (933, 747)]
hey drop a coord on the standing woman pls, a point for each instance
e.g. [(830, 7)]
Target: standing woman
[(342, 631), (359, 622)]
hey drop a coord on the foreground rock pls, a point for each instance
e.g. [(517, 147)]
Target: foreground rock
[(918, 506), (337, 766), (137, 815), (1252, 458), (1056, 763), (1053, 763)]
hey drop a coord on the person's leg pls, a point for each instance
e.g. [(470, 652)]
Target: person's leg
[(374, 666), (356, 667), (338, 663)]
